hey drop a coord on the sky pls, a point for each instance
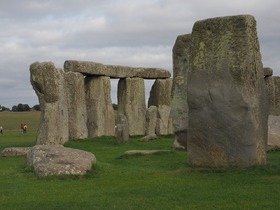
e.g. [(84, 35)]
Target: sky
[(137, 33)]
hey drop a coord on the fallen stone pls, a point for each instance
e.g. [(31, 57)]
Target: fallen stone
[(14, 151), (149, 137), (98, 69), (146, 152), (58, 160)]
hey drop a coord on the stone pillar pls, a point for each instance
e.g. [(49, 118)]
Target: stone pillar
[(121, 130), (74, 85), (101, 118), (273, 93), (151, 120), (48, 83), (179, 103), (226, 94), (131, 103)]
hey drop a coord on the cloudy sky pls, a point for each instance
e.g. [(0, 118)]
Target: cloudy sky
[(139, 33)]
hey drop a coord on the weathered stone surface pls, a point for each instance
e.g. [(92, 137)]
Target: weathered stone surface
[(151, 120), (273, 131), (179, 103), (164, 123), (59, 160), (149, 137), (14, 151), (177, 145), (131, 103), (146, 152), (75, 92), (273, 93), (93, 68), (160, 93), (121, 132), (101, 118), (226, 94), (48, 83), (267, 72)]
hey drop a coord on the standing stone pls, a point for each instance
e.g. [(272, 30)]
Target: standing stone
[(131, 103), (273, 132), (179, 104), (160, 93), (121, 132), (76, 105), (226, 94), (151, 120), (273, 92), (48, 83), (101, 118), (163, 120)]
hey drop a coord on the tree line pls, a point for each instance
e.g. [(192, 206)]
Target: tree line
[(20, 108)]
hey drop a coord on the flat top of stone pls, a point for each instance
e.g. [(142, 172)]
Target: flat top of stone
[(92, 68)]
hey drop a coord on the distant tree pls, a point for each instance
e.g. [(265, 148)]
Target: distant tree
[(36, 107), (115, 107), (5, 108), (15, 108), (20, 107), (26, 107)]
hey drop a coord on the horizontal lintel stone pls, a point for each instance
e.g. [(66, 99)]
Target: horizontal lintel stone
[(92, 68)]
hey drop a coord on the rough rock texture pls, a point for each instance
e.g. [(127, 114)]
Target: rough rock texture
[(92, 68), (273, 131), (267, 72), (59, 160), (14, 151), (101, 118), (74, 85), (164, 122), (121, 132), (131, 103), (149, 137), (226, 94), (48, 83), (151, 120), (179, 103), (146, 152), (273, 92), (160, 93)]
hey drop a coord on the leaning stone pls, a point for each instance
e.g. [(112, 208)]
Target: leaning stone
[(74, 85), (59, 160), (100, 112), (149, 137), (226, 94), (14, 151), (151, 120), (131, 103), (267, 72), (273, 93), (48, 83), (179, 104), (160, 93), (97, 69)]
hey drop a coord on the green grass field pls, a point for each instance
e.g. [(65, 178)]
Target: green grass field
[(162, 181)]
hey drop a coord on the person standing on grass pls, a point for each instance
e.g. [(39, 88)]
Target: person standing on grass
[(25, 128), (21, 127), (1, 129)]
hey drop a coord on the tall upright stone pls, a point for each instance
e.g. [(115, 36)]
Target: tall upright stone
[(131, 103), (75, 91), (179, 103), (151, 120), (48, 83), (160, 93), (226, 94), (273, 93), (101, 118)]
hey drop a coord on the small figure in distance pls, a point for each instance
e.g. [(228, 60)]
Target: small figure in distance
[(21, 127), (24, 128), (1, 129)]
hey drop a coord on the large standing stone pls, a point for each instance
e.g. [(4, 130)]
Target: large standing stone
[(226, 94), (273, 131), (160, 93), (179, 103), (59, 160), (151, 120), (48, 83), (131, 103), (101, 118), (164, 122), (273, 92), (74, 83)]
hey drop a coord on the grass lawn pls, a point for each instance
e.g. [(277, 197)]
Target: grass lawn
[(161, 181)]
